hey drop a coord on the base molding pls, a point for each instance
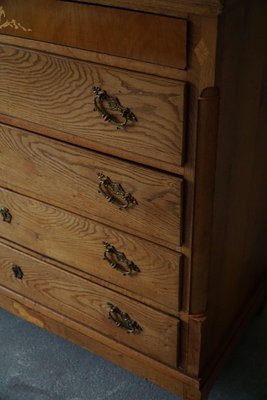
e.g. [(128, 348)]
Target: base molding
[(169, 378), (173, 380)]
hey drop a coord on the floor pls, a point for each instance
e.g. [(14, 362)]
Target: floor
[(36, 365)]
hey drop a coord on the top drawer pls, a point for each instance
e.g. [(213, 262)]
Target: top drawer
[(140, 36)]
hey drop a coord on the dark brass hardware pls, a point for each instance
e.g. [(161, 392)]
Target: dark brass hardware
[(117, 260), (18, 273), (7, 217), (123, 320), (114, 192), (114, 104)]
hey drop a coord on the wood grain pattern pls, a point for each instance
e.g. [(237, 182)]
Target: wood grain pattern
[(58, 93), (78, 242), (172, 379), (66, 176), (84, 301), (147, 37), (224, 240), (238, 250), (166, 376), (167, 7), (205, 173), (203, 38), (99, 58), (112, 286)]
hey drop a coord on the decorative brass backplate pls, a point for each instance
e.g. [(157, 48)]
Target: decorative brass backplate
[(114, 192), (118, 260), (123, 320), (126, 115), (7, 217), (5, 23)]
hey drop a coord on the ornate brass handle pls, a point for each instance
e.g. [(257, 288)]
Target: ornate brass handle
[(114, 104), (17, 271), (7, 217), (117, 260), (123, 320), (114, 192)]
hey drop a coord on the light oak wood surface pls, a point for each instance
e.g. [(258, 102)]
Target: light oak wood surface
[(199, 197), (172, 379), (152, 38), (78, 241), (87, 302), (64, 90), (129, 358), (67, 176), (99, 58)]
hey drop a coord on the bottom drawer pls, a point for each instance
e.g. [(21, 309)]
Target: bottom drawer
[(129, 322)]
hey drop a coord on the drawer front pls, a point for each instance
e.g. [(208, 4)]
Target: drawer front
[(140, 36), (67, 176), (55, 95), (88, 303), (77, 241)]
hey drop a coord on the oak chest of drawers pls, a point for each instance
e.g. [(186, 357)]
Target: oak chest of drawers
[(133, 178)]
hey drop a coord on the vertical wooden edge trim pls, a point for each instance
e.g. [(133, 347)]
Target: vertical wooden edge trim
[(186, 49), (178, 350), (196, 325), (185, 113), (209, 93), (183, 160), (182, 213), (180, 282), (205, 55), (206, 155)]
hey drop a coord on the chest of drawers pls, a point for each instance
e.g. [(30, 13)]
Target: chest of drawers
[(133, 178)]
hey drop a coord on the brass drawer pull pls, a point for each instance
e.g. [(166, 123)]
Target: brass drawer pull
[(114, 104), (123, 320), (119, 261), (18, 273), (114, 192), (7, 217)]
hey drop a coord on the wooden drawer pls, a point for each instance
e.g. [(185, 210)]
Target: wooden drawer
[(87, 303), (67, 176), (78, 242), (134, 35), (54, 96)]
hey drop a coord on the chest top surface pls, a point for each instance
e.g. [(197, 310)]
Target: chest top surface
[(168, 7)]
